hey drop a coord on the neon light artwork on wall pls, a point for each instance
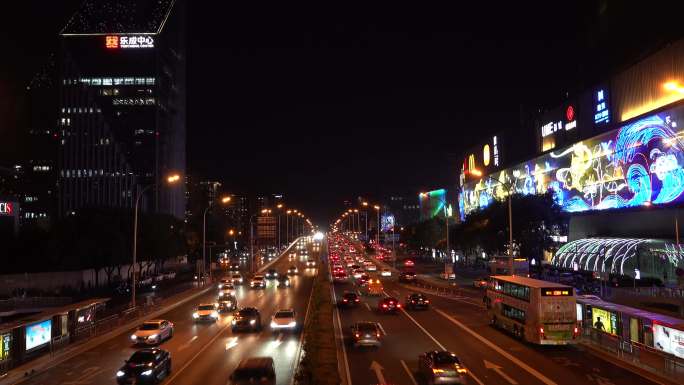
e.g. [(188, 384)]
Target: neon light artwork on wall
[(638, 164), (432, 203)]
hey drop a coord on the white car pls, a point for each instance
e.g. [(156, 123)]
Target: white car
[(206, 312), (357, 273), (386, 272), (371, 267), (226, 291), (236, 279), (153, 332), (284, 319), (258, 281), (224, 282)]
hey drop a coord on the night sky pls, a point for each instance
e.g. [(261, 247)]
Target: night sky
[(326, 104)]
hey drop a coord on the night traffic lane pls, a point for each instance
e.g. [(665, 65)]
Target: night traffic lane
[(99, 365), (559, 364)]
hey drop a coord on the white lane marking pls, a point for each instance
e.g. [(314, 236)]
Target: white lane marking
[(397, 293), (408, 372), (377, 368), (232, 342), (367, 306), (86, 376), (187, 344), (467, 300), (499, 370), (339, 328), (471, 374), (204, 347), (382, 329), (423, 329), (504, 353)]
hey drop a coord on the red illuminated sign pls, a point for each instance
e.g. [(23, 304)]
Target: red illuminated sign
[(6, 208), (570, 113), (112, 41)]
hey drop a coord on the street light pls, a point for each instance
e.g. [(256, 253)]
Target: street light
[(170, 180), (224, 200), (377, 208)]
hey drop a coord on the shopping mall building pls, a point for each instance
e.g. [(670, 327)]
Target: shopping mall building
[(613, 158)]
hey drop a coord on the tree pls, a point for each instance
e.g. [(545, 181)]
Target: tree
[(535, 219)]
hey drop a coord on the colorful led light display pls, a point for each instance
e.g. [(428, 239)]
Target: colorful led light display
[(432, 203), (638, 164)]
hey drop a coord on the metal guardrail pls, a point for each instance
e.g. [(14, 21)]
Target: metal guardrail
[(637, 354)]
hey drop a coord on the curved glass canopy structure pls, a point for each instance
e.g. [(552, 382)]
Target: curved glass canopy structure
[(653, 258)]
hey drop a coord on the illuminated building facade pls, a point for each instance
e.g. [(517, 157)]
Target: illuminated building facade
[(611, 158), (121, 123)]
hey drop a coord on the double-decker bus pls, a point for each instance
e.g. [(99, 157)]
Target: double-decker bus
[(536, 311)]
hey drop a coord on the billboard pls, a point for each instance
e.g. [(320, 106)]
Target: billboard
[(482, 159), (5, 346), (636, 165), (387, 222), (431, 203), (668, 340), (38, 334)]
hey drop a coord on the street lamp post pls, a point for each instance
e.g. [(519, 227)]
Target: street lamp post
[(224, 200), (377, 239), (171, 179)]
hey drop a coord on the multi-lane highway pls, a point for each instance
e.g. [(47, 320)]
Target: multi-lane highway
[(459, 324), (205, 353)]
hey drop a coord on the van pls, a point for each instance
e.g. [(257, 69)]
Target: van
[(254, 370)]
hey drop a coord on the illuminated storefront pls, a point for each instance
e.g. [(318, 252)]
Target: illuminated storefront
[(638, 164)]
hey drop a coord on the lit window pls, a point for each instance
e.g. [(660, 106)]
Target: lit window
[(96, 82), (118, 81), (107, 81)]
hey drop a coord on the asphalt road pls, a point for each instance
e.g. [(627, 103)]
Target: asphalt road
[(204, 353), (459, 324)]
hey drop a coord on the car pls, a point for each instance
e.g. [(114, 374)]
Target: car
[(225, 282), (257, 282), (271, 274), (153, 332), (227, 290), (227, 303), (292, 270), (310, 263), (480, 283), (409, 263), (389, 305), (283, 280), (416, 301), (247, 318), (350, 298), (357, 273), (237, 279), (407, 277), (340, 277), (338, 269), (366, 334), (566, 278), (292, 256), (441, 367), (447, 276), (254, 370), (385, 272), (355, 267), (150, 365), (234, 267), (371, 267), (206, 312), (363, 279), (284, 319)]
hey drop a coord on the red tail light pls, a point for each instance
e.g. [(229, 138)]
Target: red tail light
[(541, 331), (344, 300), (356, 300), (398, 305), (427, 301), (384, 305), (357, 335)]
